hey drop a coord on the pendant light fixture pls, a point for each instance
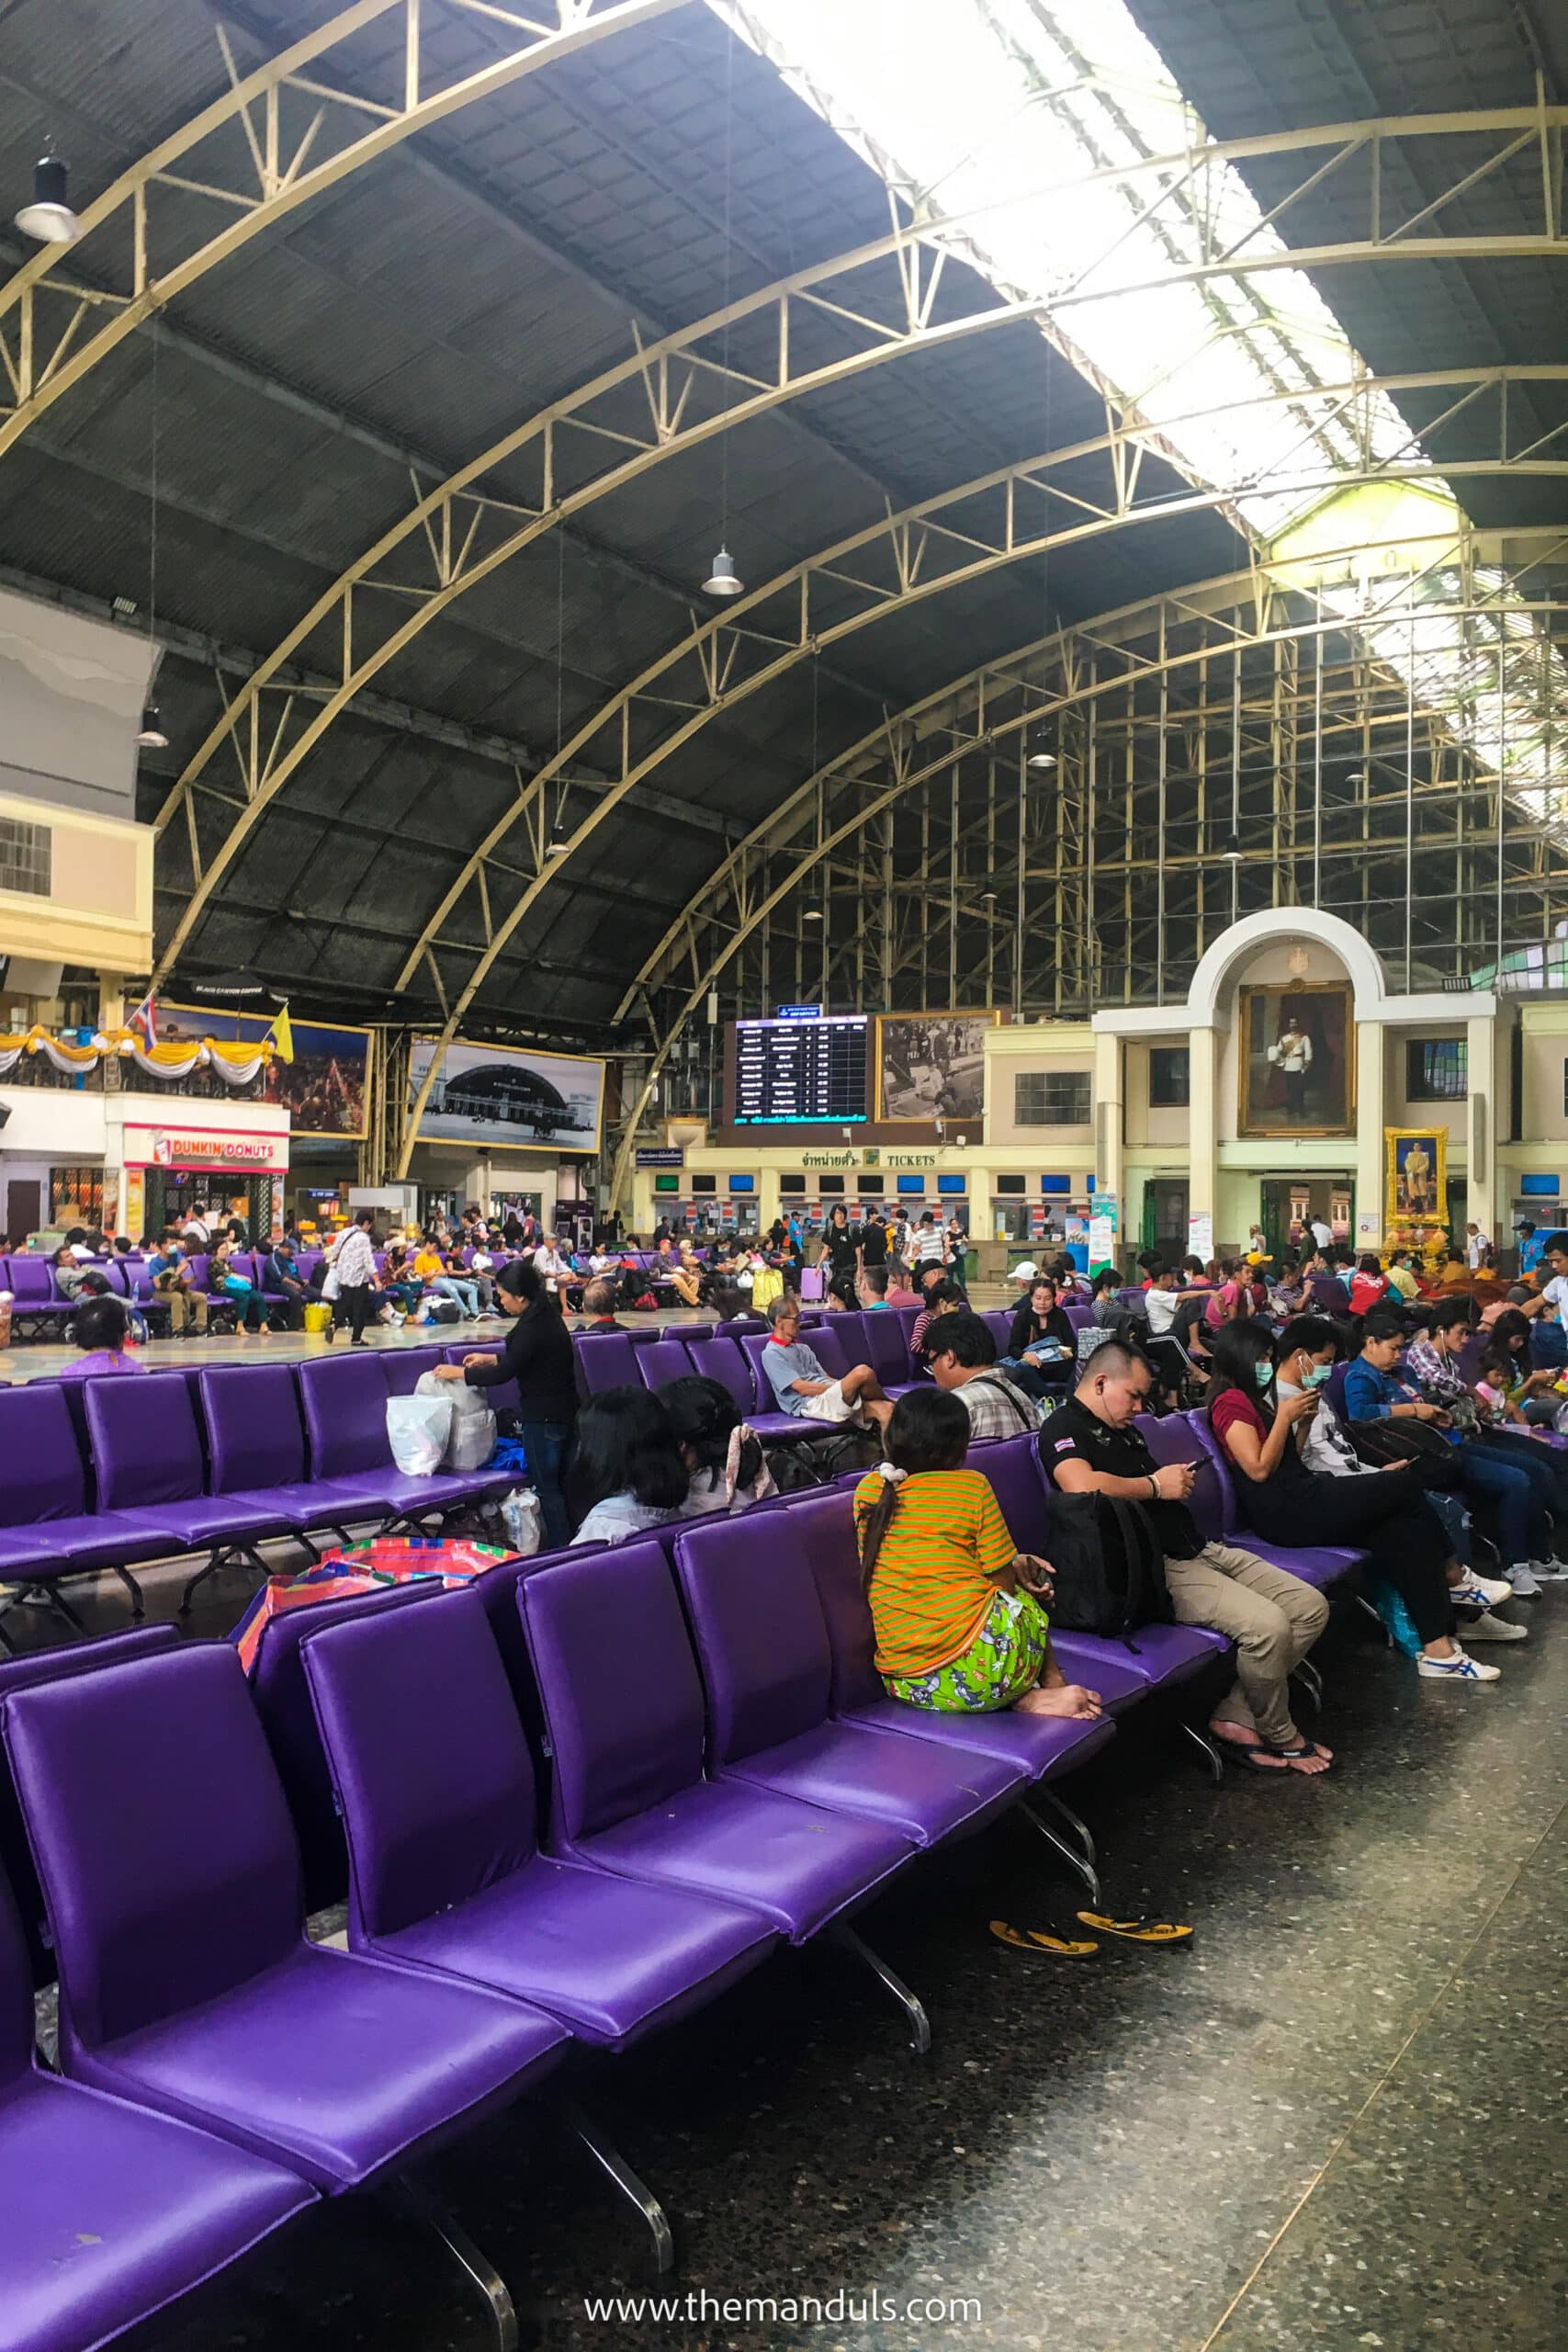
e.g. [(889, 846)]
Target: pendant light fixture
[(49, 218), (150, 735), (724, 581), (1039, 759)]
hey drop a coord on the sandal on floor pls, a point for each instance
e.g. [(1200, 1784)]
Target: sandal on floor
[(1041, 1945), (1140, 1930), (1265, 1758)]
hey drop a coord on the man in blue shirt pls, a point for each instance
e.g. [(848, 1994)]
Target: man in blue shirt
[(801, 1384), (1532, 1248)]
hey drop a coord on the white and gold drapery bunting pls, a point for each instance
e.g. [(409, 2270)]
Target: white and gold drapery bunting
[(236, 1065)]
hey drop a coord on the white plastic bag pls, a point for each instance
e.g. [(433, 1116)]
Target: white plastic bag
[(525, 1525), (417, 1429), (470, 1437), (472, 1440)]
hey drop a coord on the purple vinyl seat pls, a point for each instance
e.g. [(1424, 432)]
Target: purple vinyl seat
[(1189, 1437), (662, 1361), (625, 1727), (886, 1350), (35, 1297), (282, 1700), (723, 1360), (147, 1455), (16, 1855), (46, 1528), (111, 2213), (1159, 1655), (766, 1665), (345, 1402), (402, 1368), (433, 1777), (607, 1360), (186, 1980), (257, 1446)]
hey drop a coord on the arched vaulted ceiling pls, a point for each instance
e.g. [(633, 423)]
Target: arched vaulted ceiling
[(309, 397)]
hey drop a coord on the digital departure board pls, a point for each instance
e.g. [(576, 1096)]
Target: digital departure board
[(801, 1073)]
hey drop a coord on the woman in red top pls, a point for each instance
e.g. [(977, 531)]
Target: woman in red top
[(1369, 1285), (1290, 1505)]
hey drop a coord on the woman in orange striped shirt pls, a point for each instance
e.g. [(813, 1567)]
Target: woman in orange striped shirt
[(957, 1607)]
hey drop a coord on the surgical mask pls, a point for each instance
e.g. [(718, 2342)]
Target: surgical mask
[(1315, 1375), (1263, 1373)]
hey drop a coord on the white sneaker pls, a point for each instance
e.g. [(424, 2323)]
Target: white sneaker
[(1550, 1571), (1458, 1669), (1494, 1629), (1522, 1581), (1491, 1589)]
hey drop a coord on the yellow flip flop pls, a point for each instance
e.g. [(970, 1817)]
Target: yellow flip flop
[(1039, 1945), (1141, 1930)]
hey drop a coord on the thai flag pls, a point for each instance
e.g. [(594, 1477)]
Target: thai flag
[(144, 1021)]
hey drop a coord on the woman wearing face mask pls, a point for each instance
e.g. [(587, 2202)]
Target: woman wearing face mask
[(1309, 1349), (1290, 1505)]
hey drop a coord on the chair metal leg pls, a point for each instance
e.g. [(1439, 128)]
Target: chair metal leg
[(1311, 1683), (138, 1604), (844, 1936), (1211, 1751), (216, 1560), (1362, 1602), (59, 1600), (1079, 1827), (415, 2201), (1076, 1861), (636, 2191)]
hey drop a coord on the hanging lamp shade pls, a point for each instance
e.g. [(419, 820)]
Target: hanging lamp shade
[(1232, 850), (150, 735), (49, 218), (724, 580), (557, 844), (1041, 756)]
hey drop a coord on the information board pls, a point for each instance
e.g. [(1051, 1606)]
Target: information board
[(801, 1073)]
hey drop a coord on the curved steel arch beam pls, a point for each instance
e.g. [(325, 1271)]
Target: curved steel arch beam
[(41, 358), (266, 767), (718, 649), (44, 358), (724, 694), (449, 528), (902, 777)]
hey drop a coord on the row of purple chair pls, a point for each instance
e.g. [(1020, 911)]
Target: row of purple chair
[(728, 1776), (110, 1472)]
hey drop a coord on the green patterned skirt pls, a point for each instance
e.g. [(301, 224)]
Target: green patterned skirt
[(1002, 1662)]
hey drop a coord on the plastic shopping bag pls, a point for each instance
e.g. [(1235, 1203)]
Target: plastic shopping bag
[(417, 1431), (471, 1436), (525, 1526)]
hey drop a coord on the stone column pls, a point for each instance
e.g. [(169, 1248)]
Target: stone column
[(1372, 1094), (1204, 1124)]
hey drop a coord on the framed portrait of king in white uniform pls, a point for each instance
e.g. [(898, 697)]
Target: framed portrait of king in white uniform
[(1296, 1061)]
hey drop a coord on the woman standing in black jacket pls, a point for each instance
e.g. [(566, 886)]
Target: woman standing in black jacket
[(537, 1356)]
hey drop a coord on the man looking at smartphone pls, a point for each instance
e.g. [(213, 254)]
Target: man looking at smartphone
[(1092, 1445)]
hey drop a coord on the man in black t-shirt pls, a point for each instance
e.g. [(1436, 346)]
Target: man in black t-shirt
[(873, 1239), (1092, 1445)]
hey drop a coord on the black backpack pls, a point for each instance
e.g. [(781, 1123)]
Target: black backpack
[(1106, 1567)]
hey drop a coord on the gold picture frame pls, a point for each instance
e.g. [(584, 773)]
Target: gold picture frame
[(1327, 1010), (1428, 1201)]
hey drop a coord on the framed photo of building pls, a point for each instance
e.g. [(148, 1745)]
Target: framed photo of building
[(1296, 1060), (1416, 1189)]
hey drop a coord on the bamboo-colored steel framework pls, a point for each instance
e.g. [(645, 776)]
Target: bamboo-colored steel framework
[(930, 865), (807, 333)]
